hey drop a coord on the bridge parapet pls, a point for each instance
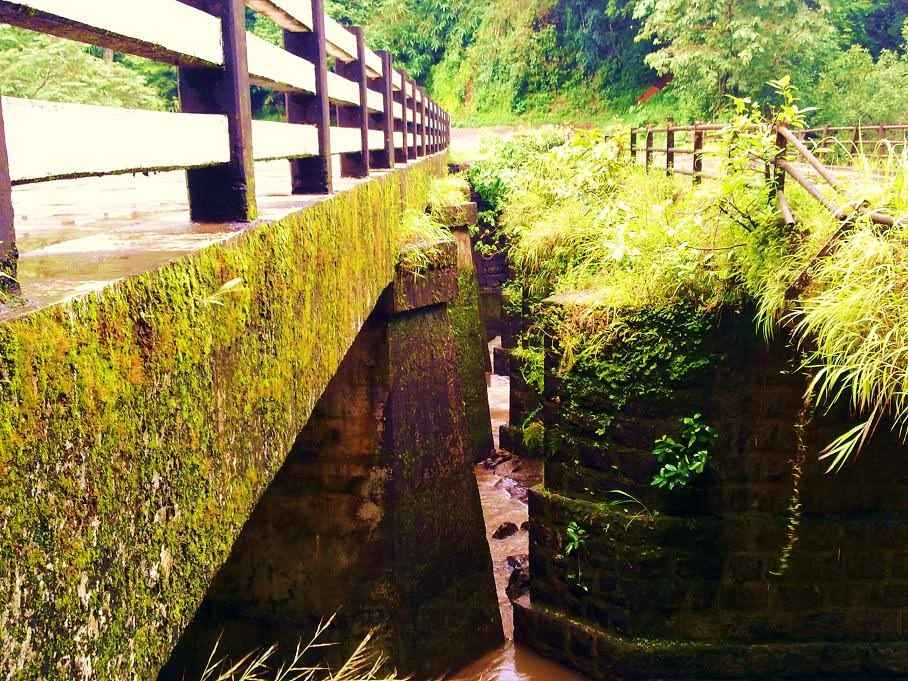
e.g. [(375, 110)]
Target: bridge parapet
[(380, 114)]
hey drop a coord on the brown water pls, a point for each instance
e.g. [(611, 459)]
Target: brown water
[(501, 491)]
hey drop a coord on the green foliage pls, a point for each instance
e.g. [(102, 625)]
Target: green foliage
[(682, 459), (37, 66), (421, 239), (577, 538), (730, 47), (854, 87)]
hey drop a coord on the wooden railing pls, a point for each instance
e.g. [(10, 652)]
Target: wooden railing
[(784, 164), (364, 111)]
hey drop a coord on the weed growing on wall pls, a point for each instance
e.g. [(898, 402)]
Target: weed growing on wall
[(682, 459)]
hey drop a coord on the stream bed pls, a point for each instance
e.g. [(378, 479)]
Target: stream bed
[(502, 489)]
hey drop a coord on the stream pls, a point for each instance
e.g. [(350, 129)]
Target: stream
[(503, 493)]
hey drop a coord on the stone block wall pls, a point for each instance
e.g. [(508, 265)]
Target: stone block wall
[(682, 581)]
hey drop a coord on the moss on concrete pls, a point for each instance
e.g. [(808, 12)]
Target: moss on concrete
[(139, 425), (469, 340)]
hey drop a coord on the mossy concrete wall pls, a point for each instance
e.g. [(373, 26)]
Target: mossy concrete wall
[(473, 359), (690, 592), (375, 515), (139, 425)]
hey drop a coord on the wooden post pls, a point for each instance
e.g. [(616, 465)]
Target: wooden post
[(433, 146), (224, 192), (424, 122), (384, 121), (9, 255), (633, 144), (779, 175), (402, 153), (649, 148), (410, 89), (698, 154), (855, 139), (356, 164), (669, 147), (312, 175)]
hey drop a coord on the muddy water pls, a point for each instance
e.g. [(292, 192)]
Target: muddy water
[(503, 493)]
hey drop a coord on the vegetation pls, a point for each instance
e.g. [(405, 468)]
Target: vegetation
[(362, 665), (682, 459), (421, 240), (611, 242)]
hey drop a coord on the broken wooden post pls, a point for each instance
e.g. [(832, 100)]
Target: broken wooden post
[(224, 192)]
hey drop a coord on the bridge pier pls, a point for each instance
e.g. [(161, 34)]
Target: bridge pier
[(375, 515)]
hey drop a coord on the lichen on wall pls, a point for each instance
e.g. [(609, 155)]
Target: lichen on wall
[(139, 425)]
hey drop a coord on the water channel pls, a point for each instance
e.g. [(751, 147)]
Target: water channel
[(503, 494)]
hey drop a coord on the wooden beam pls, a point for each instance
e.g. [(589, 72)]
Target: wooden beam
[(164, 30), (312, 175), (224, 192)]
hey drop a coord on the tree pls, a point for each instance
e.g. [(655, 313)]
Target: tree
[(719, 47), (38, 66)]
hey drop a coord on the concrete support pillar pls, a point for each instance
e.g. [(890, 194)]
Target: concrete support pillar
[(375, 515)]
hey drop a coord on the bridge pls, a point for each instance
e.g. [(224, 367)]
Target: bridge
[(175, 346)]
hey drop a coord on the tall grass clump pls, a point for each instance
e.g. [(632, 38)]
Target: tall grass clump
[(593, 229), (364, 664), (451, 190), (421, 239)]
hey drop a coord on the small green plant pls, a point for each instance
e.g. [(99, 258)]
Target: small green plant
[(682, 459), (577, 538)]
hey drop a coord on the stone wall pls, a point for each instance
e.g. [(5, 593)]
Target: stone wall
[(375, 515), (680, 584)]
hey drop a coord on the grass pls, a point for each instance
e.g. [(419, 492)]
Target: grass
[(363, 664), (421, 241), (604, 236)]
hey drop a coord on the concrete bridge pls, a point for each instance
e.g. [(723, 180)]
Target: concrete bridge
[(233, 371)]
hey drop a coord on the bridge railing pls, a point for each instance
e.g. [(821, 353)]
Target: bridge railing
[(364, 111), (794, 159)]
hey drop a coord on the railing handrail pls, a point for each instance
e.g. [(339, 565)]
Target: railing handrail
[(382, 117)]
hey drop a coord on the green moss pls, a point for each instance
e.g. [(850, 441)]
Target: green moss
[(139, 425), (471, 366)]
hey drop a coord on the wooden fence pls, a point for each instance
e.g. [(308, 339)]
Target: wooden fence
[(364, 111)]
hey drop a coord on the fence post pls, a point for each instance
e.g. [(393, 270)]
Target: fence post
[(433, 127), (312, 175), (633, 144), (669, 147), (355, 164), (649, 148), (410, 89), (854, 140), (423, 131), (9, 256), (779, 174), (384, 121), (698, 154), (402, 153), (223, 192)]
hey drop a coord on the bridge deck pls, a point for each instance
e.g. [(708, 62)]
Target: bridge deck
[(77, 236)]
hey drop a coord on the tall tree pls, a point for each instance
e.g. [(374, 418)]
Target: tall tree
[(719, 47)]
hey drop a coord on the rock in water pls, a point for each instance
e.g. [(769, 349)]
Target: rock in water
[(505, 530), (519, 581)]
